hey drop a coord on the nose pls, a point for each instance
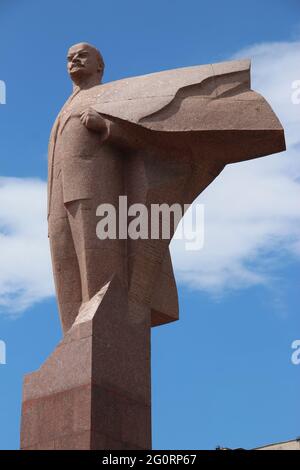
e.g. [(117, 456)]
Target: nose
[(75, 58)]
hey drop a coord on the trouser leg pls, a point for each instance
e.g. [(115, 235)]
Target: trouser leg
[(98, 259), (65, 270), (64, 259)]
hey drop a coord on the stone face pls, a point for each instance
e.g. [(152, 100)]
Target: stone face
[(159, 138)]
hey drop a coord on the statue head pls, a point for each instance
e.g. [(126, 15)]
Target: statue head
[(85, 63)]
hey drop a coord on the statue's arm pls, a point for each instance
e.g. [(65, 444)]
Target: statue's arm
[(94, 122), (110, 129)]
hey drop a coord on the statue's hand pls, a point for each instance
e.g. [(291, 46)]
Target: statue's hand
[(93, 121)]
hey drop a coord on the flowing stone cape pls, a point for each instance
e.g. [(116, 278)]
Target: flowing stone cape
[(200, 99), (205, 117)]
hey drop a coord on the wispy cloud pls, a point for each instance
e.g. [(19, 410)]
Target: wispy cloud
[(25, 273), (253, 209)]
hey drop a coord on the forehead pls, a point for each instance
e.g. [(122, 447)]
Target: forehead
[(79, 48)]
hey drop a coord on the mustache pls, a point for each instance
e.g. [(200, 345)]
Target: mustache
[(76, 64)]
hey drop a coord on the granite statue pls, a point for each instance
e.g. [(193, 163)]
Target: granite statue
[(158, 138)]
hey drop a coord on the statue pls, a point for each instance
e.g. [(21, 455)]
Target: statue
[(85, 170), (159, 138)]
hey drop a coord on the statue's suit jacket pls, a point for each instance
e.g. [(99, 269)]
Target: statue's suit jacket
[(212, 103)]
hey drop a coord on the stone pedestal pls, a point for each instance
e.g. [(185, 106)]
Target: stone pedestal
[(94, 391)]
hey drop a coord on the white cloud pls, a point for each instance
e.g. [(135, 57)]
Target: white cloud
[(253, 208), (25, 274)]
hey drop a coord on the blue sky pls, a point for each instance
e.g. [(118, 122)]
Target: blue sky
[(222, 375)]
